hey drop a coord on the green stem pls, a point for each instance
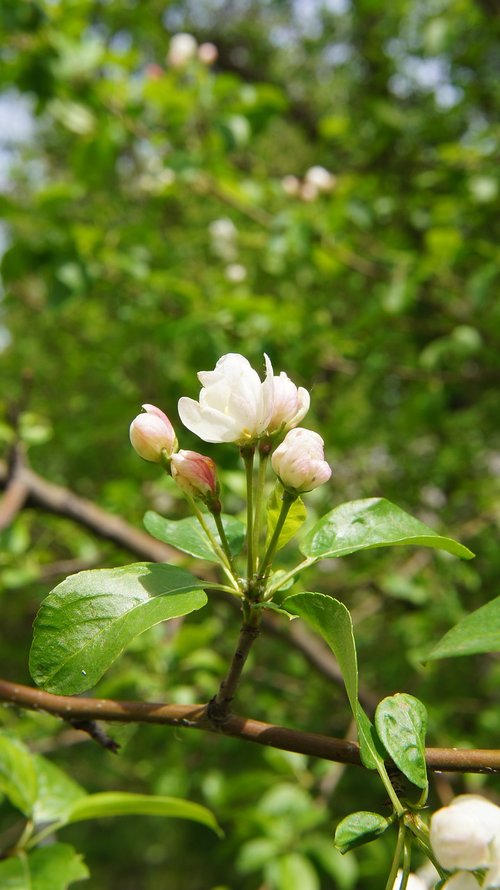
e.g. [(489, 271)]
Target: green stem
[(397, 857), (215, 544), (261, 479), (224, 541), (398, 806), (248, 457), (287, 501), (284, 578), (421, 832)]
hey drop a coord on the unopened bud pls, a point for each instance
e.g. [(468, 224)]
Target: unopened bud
[(152, 435), (299, 461), (196, 474)]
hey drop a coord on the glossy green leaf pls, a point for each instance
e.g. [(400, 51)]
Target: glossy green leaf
[(87, 621), (54, 867), (370, 523), (332, 620), (401, 723), (120, 803), (17, 774), (477, 632), (359, 828), (187, 534), (371, 748), (295, 518), (56, 792)]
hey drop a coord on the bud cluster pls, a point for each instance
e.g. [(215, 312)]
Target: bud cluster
[(465, 837)]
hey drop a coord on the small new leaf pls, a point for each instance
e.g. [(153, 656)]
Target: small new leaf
[(401, 723), (187, 534), (359, 828), (294, 520)]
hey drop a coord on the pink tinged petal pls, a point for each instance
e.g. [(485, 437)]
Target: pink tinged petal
[(195, 473), (299, 461), (151, 436)]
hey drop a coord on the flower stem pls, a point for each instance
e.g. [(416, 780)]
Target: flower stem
[(287, 501), (309, 561), (219, 707), (397, 857), (225, 562), (248, 457), (261, 479)]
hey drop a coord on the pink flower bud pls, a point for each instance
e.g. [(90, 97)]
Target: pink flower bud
[(151, 434), (299, 461), (195, 473), (208, 53), (290, 404)]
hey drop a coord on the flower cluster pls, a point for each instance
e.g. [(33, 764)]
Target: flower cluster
[(235, 405), (317, 180), (465, 837), (184, 48)]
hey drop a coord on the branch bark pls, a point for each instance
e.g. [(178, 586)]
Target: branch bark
[(195, 717)]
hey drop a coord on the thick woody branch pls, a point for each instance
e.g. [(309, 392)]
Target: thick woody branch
[(195, 717)]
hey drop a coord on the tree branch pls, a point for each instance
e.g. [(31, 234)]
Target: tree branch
[(195, 717)]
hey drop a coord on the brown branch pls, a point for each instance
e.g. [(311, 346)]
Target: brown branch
[(195, 717), (16, 489), (218, 708)]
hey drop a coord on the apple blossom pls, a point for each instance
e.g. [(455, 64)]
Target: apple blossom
[(290, 404), (321, 178), (182, 49), (152, 435), (414, 882), (234, 404), (195, 473), (462, 880), (299, 461), (466, 835)]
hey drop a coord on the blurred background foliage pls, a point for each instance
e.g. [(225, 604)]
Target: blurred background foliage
[(157, 215)]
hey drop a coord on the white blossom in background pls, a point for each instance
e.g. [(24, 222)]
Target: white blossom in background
[(236, 273), (223, 238), (321, 178), (299, 461), (414, 882), (208, 53), (466, 836), (182, 49), (152, 434), (291, 185), (234, 404), (309, 191)]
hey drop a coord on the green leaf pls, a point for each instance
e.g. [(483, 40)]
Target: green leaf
[(292, 871), (477, 632), (359, 828), (294, 520), (371, 523), (87, 621), (49, 868), (401, 723), (121, 803), (17, 774), (331, 619), (187, 534), (56, 792)]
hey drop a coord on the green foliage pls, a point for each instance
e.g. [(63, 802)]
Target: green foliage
[(295, 519), (187, 535), (477, 632), (50, 868), (87, 620), (401, 723), (370, 523), (359, 828)]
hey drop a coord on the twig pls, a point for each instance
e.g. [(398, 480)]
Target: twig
[(195, 717), (97, 733), (218, 708), (16, 490)]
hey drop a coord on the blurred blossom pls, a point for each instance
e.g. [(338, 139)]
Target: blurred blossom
[(223, 236), (195, 473), (152, 435), (182, 50), (299, 461), (466, 835), (236, 273), (291, 185), (321, 178), (234, 404), (309, 191), (154, 71), (208, 53), (414, 882)]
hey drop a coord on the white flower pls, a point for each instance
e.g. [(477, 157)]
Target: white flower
[(181, 50), (234, 404), (466, 835), (321, 178), (236, 273), (299, 461), (462, 880), (414, 882), (291, 404), (152, 434)]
